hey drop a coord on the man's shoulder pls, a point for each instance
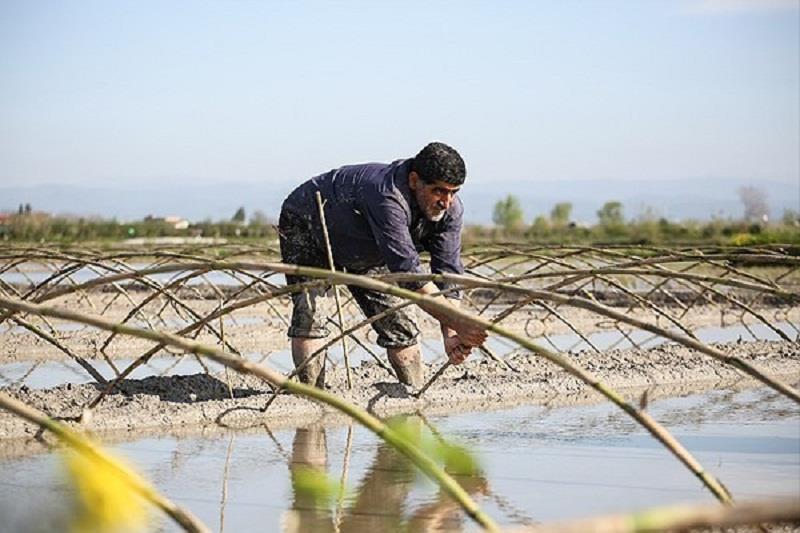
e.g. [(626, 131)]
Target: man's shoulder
[(379, 179), (379, 175), (366, 169)]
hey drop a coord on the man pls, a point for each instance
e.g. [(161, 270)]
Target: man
[(379, 217)]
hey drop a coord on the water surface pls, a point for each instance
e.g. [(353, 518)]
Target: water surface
[(538, 464)]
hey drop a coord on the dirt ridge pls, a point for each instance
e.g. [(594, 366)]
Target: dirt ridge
[(163, 404)]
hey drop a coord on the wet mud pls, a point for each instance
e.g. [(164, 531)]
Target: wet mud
[(200, 403)]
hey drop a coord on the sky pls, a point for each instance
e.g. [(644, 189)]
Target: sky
[(143, 92)]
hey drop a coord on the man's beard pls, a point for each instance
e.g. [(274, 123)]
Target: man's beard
[(439, 216)]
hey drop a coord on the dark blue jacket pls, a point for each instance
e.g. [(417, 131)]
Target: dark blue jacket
[(373, 220)]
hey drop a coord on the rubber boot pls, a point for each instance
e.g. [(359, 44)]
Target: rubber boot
[(314, 372)]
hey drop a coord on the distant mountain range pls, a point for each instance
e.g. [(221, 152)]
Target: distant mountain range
[(674, 199)]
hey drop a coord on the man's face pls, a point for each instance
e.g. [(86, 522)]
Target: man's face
[(433, 198)]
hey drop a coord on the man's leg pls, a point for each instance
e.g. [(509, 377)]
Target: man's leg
[(313, 373), (307, 329), (308, 334), (407, 364), (397, 333)]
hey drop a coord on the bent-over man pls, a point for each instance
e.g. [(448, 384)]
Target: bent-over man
[(379, 217)]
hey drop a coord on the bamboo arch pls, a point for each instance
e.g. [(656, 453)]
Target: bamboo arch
[(158, 290)]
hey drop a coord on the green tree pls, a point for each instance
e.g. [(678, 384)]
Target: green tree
[(508, 213), (560, 214), (611, 215), (540, 227), (239, 216)]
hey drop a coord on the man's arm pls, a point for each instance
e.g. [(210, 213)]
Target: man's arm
[(389, 223), (459, 336), (445, 248), (388, 219)]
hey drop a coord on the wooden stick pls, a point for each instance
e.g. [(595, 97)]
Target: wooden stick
[(222, 340), (433, 378), (332, 266), (680, 518), (488, 353), (343, 479), (98, 377), (224, 498)]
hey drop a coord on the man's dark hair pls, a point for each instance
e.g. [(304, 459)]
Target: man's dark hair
[(437, 161)]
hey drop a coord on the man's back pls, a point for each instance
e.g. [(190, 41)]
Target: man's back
[(372, 217)]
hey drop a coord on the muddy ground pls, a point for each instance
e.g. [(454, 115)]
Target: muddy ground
[(262, 327), (200, 403)]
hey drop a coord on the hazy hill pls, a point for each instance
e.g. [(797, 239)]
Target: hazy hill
[(678, 199)]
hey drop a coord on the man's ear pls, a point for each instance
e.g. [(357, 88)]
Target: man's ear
[(413, 180)]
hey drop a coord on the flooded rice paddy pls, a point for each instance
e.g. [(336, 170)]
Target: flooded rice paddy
[(45, 374), (559, 456), (537, 464)]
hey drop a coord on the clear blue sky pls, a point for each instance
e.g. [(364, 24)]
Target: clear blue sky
[(95, 92)]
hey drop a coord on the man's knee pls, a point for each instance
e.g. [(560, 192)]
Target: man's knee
[(309, 318), (396, 330), (397, 333)]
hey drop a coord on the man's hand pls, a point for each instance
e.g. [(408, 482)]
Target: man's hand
[(456, 351), (471, 335), (460, 336)]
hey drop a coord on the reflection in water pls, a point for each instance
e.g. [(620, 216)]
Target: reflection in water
[(543, 464), (381, 499), (309, 450)]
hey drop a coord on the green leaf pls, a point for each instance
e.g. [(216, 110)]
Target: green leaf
[(457, 459), (315, 484), (408, 428)]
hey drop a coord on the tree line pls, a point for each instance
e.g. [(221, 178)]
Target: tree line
[(29, 225), (557, 226), (648, 228)]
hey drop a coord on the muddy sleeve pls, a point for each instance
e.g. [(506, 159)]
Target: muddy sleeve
[(389, 221), (445, 248)]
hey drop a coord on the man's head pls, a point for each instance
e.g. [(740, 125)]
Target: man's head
[(437, 173)]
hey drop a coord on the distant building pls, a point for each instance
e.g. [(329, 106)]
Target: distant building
[(177, 222), (173, 220)]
